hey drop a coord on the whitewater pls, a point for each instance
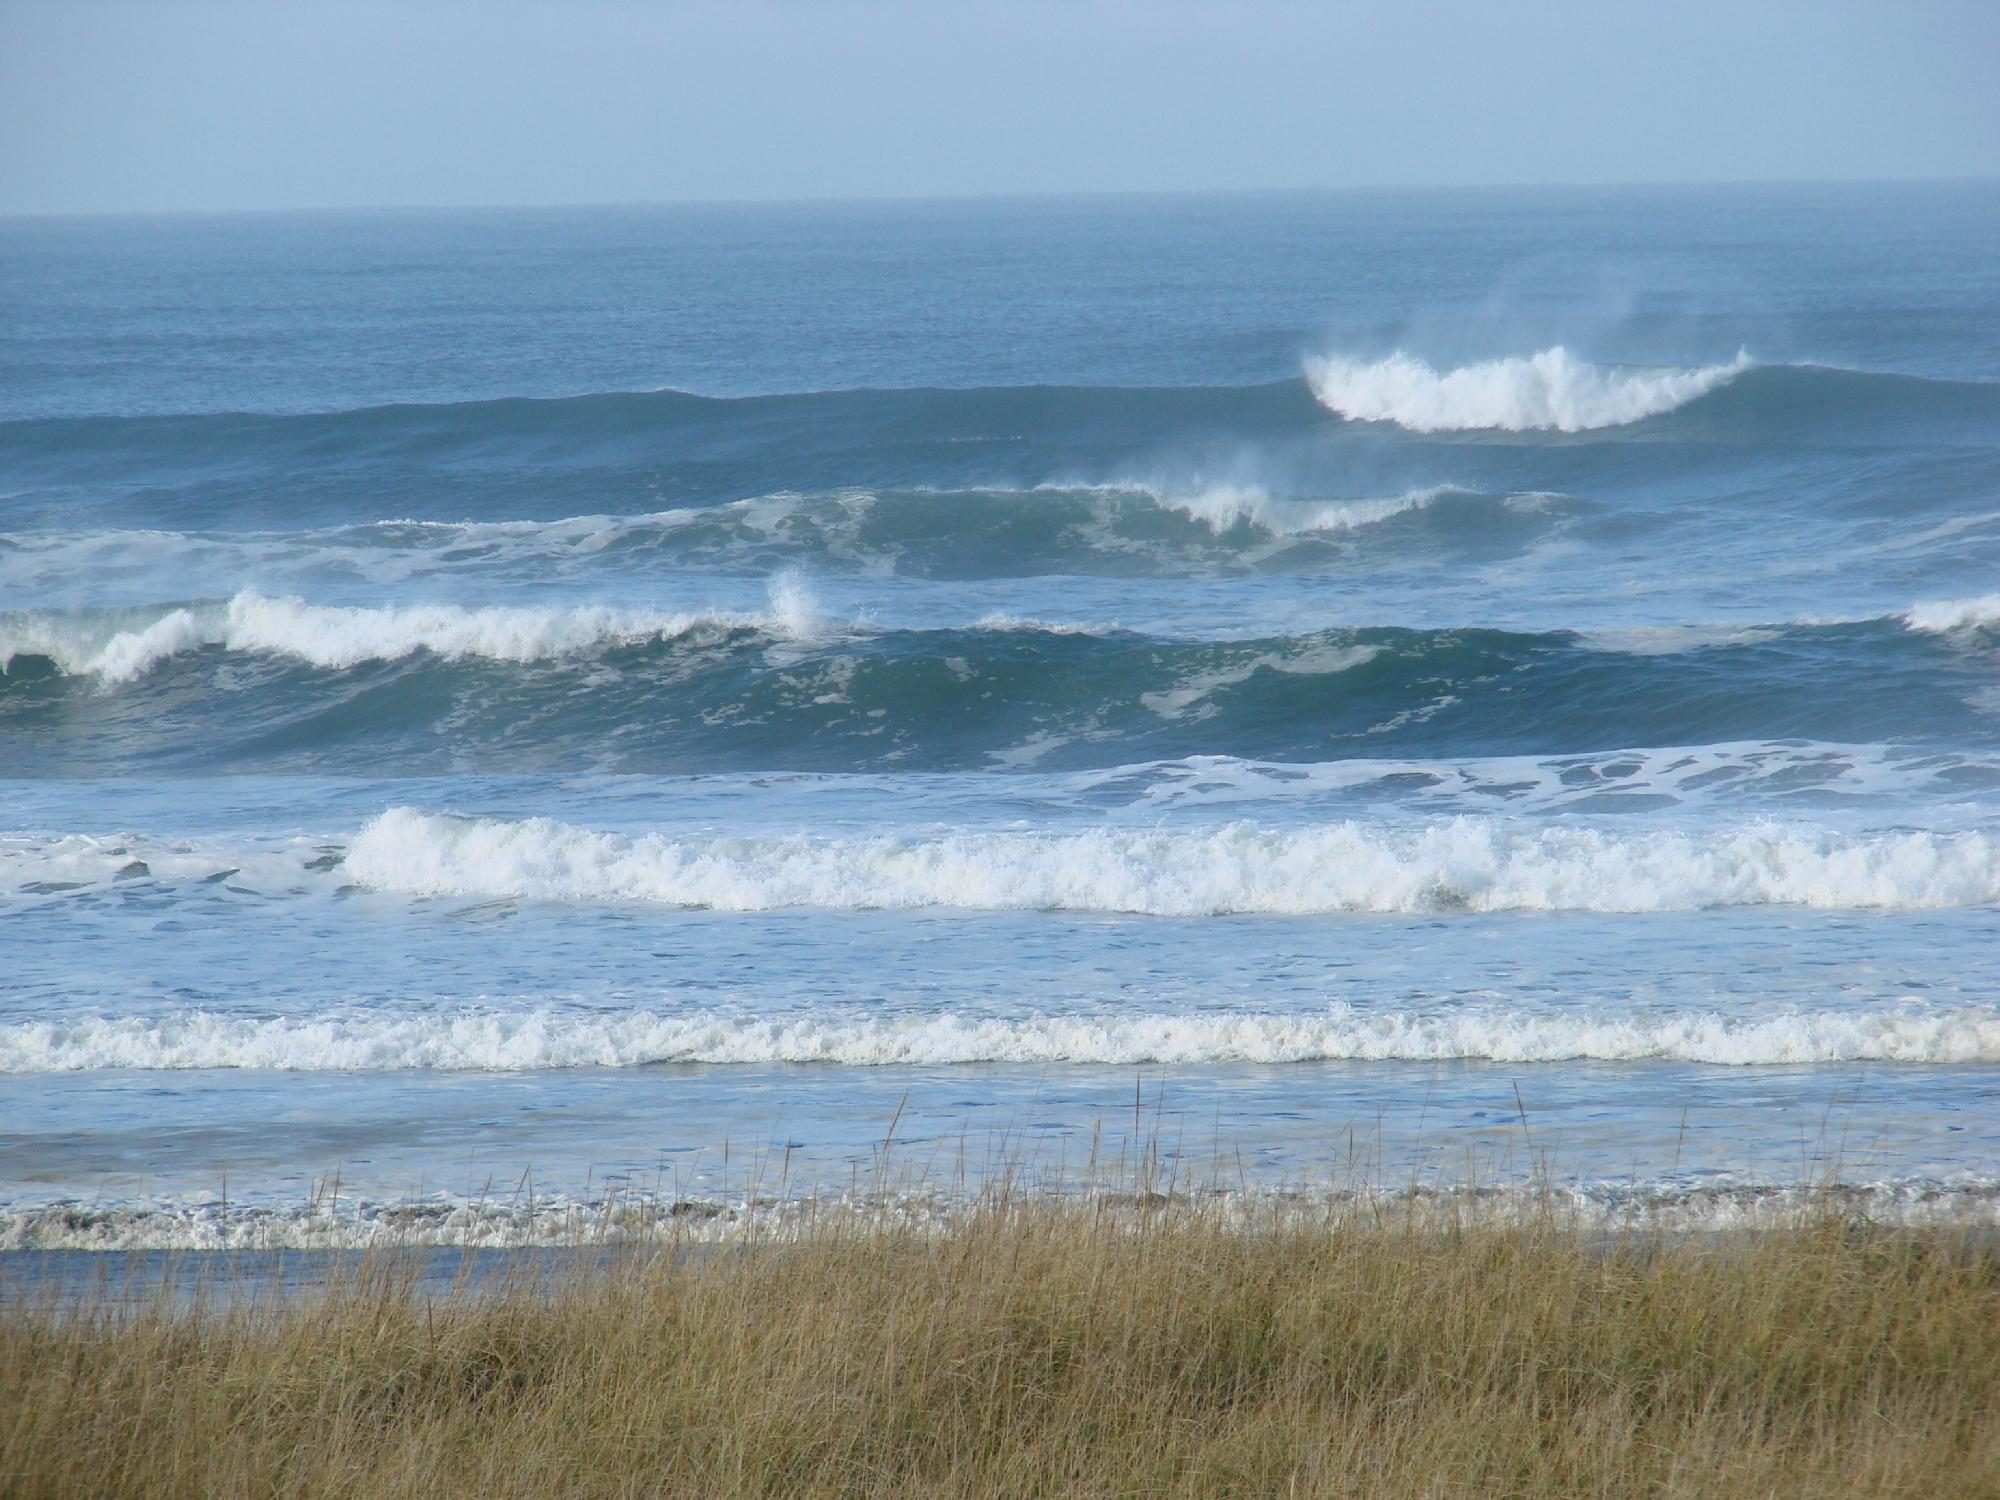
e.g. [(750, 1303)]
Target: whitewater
[(651, 704), (1461, 863), (507, 1041), (1550, 388)]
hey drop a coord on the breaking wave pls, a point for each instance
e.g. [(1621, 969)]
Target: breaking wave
[(1461, 863), (1224, 508), (1122, 529), (1945, 615), (511, 1040), (1549, 389), (343, 636), (516, 460), (263, 681)]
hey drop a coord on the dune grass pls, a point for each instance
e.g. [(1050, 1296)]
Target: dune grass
[(1042, 1347)]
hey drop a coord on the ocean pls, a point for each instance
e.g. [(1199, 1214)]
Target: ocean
[(506, 714)]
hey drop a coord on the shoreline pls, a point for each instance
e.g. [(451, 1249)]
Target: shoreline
[(1038, 1347), (770, 1212)]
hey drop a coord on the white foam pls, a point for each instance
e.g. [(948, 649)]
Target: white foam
[(1944, 615), (657, 1216), (1476, 864), (1001, 621), (1192, 692), (52, 865), (536, 1038), (116, 648), (1958, 790), (1676, 640), (1222, 508), (1549, 389), (1690, 775)]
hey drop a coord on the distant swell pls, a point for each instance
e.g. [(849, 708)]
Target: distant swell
[(539, 459), (1471, 864), (502, 1040), (1549, 389)]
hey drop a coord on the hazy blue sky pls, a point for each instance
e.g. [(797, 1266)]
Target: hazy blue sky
[(165, 104)]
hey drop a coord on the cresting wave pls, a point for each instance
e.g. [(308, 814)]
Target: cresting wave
[(123, 645), (344, 636), (279, 684), (514, 460), (1223, 508), (1461, 863), (1163, 527), (1549, 389), (1943, 616), (503, 1041)]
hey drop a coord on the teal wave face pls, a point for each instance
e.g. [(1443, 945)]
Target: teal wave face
[(626, 454), (706, 696), (1129, 530)]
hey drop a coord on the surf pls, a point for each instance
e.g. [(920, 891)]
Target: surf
[(1467, 864), (492, 1039), (1551, 389)]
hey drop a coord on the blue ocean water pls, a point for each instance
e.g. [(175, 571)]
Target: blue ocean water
[(1376, 687)]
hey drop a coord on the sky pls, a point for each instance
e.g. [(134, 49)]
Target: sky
[(123, 105)]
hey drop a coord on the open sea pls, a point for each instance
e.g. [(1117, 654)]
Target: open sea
[(505, 713)]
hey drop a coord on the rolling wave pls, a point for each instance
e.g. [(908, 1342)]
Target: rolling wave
[(544, 458), (342, 636), (538, 1038), (1457, 864), (1120, 530), (122, 645), (1736, 780), (1943, 616), (1549, 389), (284, 684), (1303, 865)]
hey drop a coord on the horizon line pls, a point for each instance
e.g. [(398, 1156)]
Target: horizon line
[(1001, 196)]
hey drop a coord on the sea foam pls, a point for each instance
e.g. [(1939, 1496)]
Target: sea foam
[(1461, 863), (1549, 389), (497, 1040), (1939, 617), (1223, 507), (664, 1215)]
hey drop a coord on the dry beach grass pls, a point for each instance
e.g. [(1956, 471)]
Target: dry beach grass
[(1043, 1347)]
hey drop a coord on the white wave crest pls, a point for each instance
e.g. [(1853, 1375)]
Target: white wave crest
[(1549, 389), (1222, 508), (1476, 864), (116, 648), (500, 1041), (1939, 617)]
